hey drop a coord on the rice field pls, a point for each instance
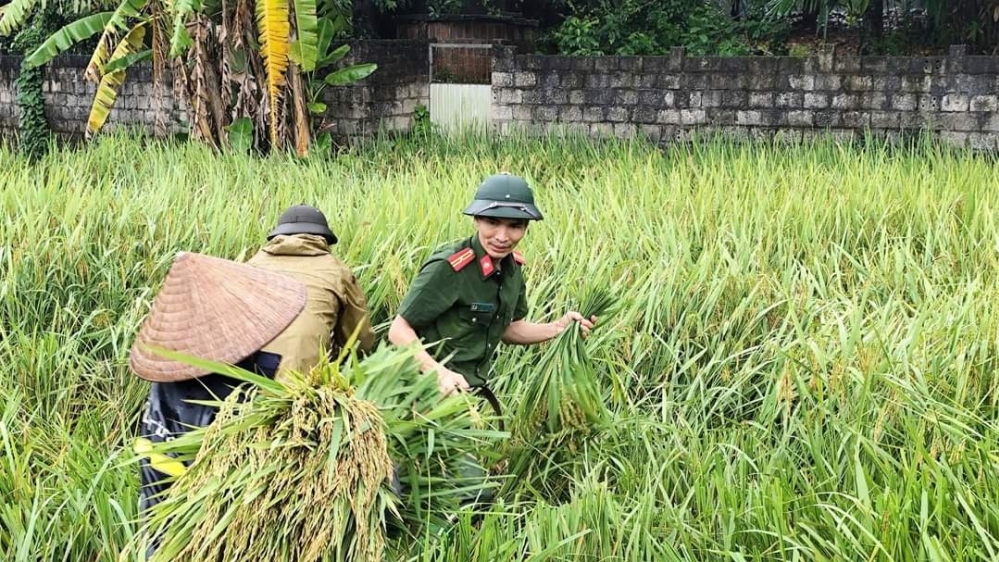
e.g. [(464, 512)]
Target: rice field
[(803, 365)]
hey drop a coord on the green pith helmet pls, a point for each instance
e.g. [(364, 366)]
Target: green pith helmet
[(303, 219), (504, 197)]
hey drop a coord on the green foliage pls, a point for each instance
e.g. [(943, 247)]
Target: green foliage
[(422, 125), (643, 27), (330, 29), (240, 134), (33, 128), (65, 38), (927, 24), (214, 40)]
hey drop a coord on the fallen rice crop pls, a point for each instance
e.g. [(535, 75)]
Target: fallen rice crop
[(803, 363), (304, 470)]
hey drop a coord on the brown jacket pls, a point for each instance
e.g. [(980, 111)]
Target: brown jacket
[(334, 308)]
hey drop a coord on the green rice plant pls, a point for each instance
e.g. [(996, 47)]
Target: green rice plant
[(562, 392), (802, 364), (562, 408)]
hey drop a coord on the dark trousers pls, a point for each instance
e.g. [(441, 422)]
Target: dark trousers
[(169, 413)]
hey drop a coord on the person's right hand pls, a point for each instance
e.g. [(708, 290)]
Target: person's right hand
[(450, 382)]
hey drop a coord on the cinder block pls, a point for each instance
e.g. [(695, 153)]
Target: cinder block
[(749, 117), (828, 82), (858, 83), (602, 129), (502, 79), (570, 114), (622, 80), (669, 117), (618, 114), (799, 118), (593, 114), (545, 113), (904, 102), (625, 130), (789, 99), (525, 79), (761, 99), (885, 120), (958, 122), (627, 97), (801, 82), (653, 133), (606, 64), (644, 114), (572, 80), (816, 100), (954, 103)]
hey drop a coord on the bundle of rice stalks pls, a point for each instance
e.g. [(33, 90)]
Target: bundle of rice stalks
[(563, 394), (304, 469), (439, 447), (560, 413)]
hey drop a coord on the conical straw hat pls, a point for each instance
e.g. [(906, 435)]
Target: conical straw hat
[(215, 309)]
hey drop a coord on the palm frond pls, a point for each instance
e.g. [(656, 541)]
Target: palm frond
[(107, 90), (14, 15), (69, 35), (117, 23), (180, 41), (305, 50), (274, 27)]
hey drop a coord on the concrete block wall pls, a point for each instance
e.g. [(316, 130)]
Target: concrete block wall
[(387, 98), (664, 98), (673, 97)]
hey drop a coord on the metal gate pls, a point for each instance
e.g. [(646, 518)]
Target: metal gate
[(460, 85)]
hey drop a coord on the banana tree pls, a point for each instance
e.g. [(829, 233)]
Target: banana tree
[(238, 64)]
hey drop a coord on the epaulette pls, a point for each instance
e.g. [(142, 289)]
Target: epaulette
[(461, 258), (519, 258)]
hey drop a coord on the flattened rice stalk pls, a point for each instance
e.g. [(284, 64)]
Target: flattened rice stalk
[(307, 480), (303, 470)]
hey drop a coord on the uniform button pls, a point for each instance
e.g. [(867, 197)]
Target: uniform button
[(474, 320)]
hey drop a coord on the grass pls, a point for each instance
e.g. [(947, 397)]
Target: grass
[(804, 365)]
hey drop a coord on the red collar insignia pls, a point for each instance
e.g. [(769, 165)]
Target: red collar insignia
[(486, 263)]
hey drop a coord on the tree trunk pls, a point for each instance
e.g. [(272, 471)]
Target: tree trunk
[(300, 112)]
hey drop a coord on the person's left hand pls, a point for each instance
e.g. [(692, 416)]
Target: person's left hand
[(572, 316)]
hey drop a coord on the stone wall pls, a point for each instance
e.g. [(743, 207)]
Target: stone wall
[(68, 99), (8, 108), (665, 98), (670, 97), (387, 98)]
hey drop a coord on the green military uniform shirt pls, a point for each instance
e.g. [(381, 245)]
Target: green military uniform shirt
[(463, 301)]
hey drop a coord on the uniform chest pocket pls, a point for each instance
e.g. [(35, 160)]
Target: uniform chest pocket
[(475, 317)]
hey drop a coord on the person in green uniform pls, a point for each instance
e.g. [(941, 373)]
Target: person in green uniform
[(470, 295)]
